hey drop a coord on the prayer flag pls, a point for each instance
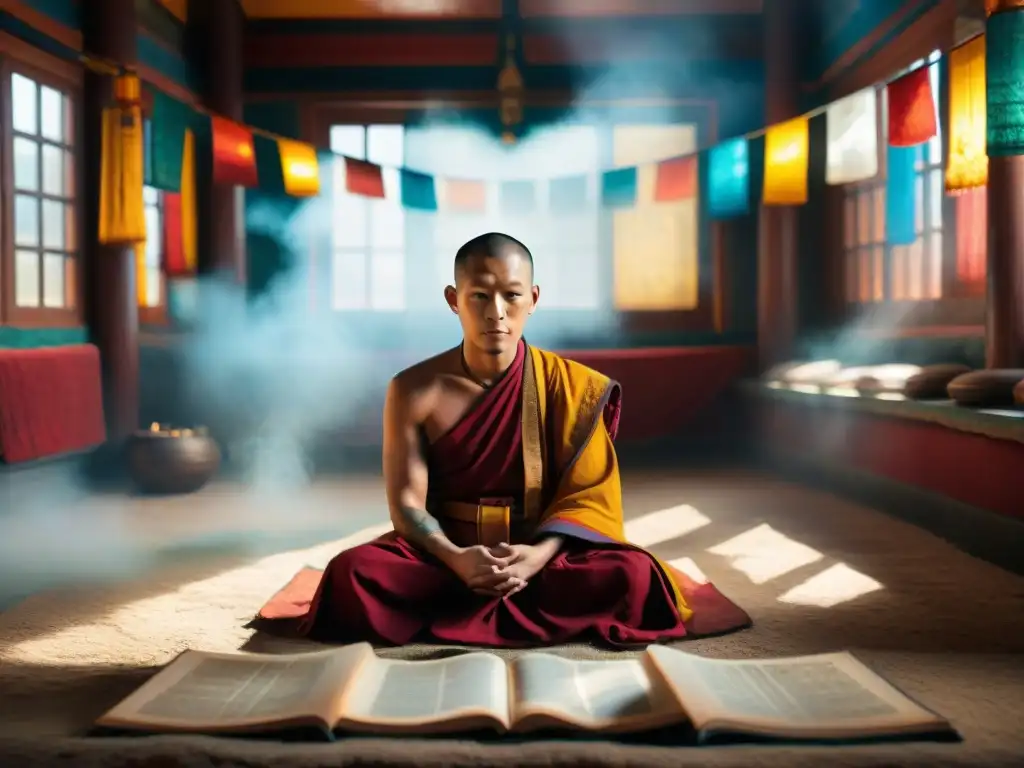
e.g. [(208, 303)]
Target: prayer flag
[(168, 122), (972, 236), (786, 148), (851, 125), (729, 179), (234, 156), (363, 178), (122, 214), (300, 168), (618, 188), (1004, 72), (567, 195), (517, 197), (676, 179), (967, 164), (189, 228), (901, 195), (173, 251), (912, 118), (418, 191), (465, 196)]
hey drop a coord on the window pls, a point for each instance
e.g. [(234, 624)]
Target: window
[(149, 264), (45, 245), (368, 248), (876, 271), (655, 252), (565, 248)]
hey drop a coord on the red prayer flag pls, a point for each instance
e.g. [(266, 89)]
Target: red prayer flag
[(363, 178), (676, 179), (466, 196), (972, 237), (911, 109), (175, 264), (234, 156)]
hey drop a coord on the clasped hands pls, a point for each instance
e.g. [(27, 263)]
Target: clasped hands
[(498, 571)]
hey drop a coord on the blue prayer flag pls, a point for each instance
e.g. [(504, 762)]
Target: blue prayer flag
[(418, 191), (618, 188), (901, 195), (729, 179)]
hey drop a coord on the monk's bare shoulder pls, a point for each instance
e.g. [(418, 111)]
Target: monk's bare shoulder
[(419, 387)]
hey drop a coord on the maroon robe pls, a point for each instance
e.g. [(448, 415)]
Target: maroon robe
[(390, 592)]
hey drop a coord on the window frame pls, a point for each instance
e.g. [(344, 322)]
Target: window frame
[(157, 314), (17, 57)]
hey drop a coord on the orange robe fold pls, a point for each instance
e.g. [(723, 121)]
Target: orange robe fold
[(539, 446)]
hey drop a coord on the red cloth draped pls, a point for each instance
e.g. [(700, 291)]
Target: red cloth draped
[(389, 592)]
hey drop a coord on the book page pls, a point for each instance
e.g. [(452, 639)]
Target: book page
[(394, 692), (591, 694), (825, 695), (216, 691)]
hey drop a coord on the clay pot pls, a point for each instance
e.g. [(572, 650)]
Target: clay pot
[(171, 462)]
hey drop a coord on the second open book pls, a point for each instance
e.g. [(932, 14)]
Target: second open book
[(351, 689)]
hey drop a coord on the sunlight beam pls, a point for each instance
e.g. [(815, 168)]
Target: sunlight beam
[(837, 584), (763, 554), (664, 525)]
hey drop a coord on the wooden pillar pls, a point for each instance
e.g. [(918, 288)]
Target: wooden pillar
[(109, 30), (1004, 347), (216, 31), (778, 245)]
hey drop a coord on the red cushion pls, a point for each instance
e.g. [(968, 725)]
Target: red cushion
[(51, 401)]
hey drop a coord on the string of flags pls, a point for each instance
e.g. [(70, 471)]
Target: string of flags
[(250, 157)]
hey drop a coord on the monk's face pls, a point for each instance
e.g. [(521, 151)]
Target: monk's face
[(493, 296)]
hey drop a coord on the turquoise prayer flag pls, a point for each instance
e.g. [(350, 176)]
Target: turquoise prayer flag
[(418, 191), (618, 188), (728, 182), (901, 194)]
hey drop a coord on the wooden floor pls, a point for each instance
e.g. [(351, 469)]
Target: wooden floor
[(816, 573)]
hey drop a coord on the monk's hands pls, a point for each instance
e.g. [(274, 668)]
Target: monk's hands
[(524, 562), (486, 572)]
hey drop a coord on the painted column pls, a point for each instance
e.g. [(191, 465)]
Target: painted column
[(109, 30), (777, 246), (216, 30), (1004, 346)]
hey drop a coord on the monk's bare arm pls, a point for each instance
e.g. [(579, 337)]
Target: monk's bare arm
[(405, 477)]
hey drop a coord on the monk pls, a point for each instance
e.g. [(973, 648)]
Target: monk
[(503, 488)]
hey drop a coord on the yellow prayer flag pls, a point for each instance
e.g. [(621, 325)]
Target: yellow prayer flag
[(786, 149), (122, 214), (967, 164), (300, 168), (189, 231)]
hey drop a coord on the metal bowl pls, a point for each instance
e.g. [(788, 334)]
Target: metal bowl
[(164, 461)]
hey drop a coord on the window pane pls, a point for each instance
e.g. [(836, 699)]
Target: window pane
[(153, 236), (53, 170), (150, 195), (386, 145), (850, 221), (154, 279), (53, 225), (69, 175), (863, 219), (69, 121), (51, 115), (26, 220), (350, 222), (24, 104), (387, 226), (387, 280), (70, 283), (934, 287), (26, 278), (878, 272), (937, 190), (915, 270), (349, 140), (919, 203), (578, 281), (70, 228), (53, 280), (26, 164), (349, 278), (879, 214)]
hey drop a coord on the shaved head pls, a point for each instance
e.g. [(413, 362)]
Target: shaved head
[(493, 245)]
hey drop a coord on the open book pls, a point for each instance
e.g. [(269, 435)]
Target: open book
[(350, 689)]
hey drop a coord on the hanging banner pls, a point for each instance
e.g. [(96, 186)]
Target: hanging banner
[(363, 178), (676, 179), (300, 168), (729, 179), (189, 205), (967, 163), (911, 103), (464, 196), (1004, 70), (419, 191), (786, 150), (234, 156), (851, 126), (618, 188), (901, 195)]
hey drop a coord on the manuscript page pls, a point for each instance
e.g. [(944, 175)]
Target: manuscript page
[(459, 693), (612, 695), (223, 691), (825, 696)]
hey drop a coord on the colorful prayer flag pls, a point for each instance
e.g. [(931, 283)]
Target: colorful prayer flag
[(168, 122), (363, 178), (911, 104), (300, 168), (463, 195), (418, 191), (851, 125), (729, 179), (786, 149), (676, 179), (567, 195), (618, 188), (173, 242), (517, 197), (189, 212), (234, 156), (122, 215), (1004, 72), (901, 195), (967, 164)]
